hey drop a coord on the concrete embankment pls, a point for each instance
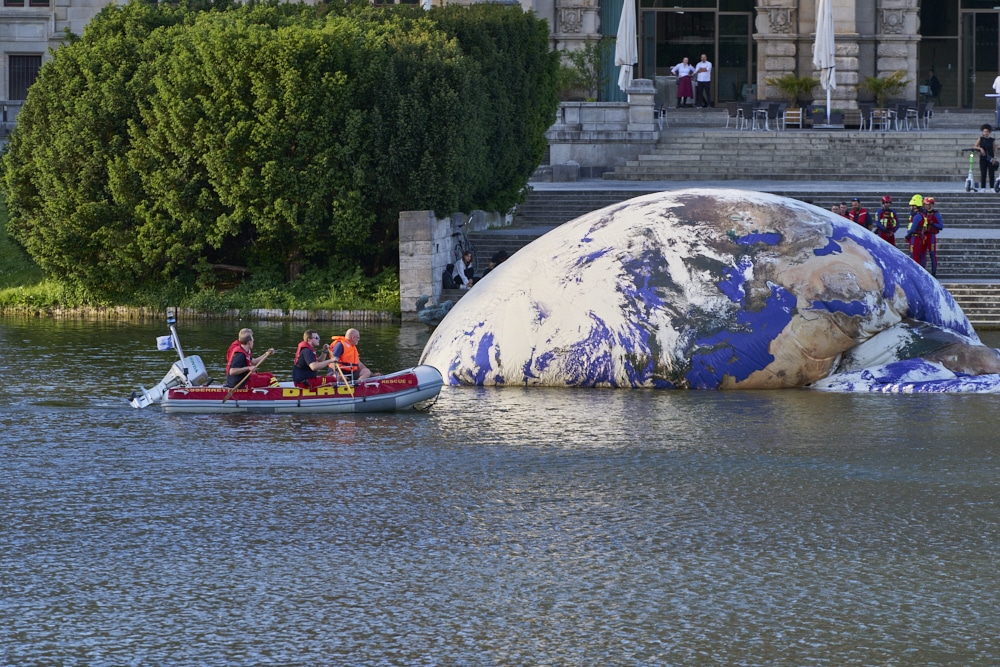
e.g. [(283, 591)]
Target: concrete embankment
[(125, 313)]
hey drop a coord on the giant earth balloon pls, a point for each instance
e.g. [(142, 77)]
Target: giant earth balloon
[(708, 289)]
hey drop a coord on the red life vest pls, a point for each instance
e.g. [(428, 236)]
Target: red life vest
[(235, 347), (349, 361), (888, 220), (860, 216), (298, 351), (933, 223)]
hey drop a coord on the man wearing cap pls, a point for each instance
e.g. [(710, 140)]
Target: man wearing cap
[(932, 225), (915, 230), (886, 222), (858, 214)]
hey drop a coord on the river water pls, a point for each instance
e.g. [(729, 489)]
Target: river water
[(504, 527)]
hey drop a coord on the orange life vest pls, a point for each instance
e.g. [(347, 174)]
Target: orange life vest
[(349, 361)]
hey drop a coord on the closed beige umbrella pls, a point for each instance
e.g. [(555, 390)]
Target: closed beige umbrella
[(627, 45), (825, 50)]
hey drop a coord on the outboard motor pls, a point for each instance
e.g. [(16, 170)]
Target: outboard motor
[(188, 372)]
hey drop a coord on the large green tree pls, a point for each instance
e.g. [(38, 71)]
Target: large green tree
[(168, 140)]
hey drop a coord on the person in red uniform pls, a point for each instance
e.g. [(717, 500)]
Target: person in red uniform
[(345, 353), (858, 214), (886, 222), (915, 230), (932, 225), (240, 361)]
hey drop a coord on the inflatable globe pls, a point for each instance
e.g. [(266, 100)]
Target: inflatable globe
[(712, 289)]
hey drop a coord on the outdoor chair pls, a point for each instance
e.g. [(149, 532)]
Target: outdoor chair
[(906, 115), (792, 117), (746, 113), (779, 122), (660, 115), (771, 120), (733, 114), (927, 114), (865, 109)]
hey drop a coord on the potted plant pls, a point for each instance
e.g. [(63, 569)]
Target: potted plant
[(590, 65), (836, 116), (792, 87), (569, 83), (885, 87)]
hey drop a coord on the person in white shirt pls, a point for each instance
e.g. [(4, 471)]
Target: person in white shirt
[(703, 75), (464, 271), (683, 71)]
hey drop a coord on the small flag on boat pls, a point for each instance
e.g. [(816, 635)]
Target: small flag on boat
[(164, 343)]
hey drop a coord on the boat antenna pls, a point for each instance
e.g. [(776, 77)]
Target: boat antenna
[(171, 321)]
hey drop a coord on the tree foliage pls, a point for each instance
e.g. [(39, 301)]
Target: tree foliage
[(168, 140)]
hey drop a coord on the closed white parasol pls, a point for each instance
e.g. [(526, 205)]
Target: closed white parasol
[(627, 45), (825, 50)]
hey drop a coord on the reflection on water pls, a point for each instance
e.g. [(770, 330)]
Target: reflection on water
[(505, 527)]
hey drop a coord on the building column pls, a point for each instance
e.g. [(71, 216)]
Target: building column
[(576, 23), (898, 24), (776, 34)]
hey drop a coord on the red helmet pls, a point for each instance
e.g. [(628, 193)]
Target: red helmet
[(929, 200), (887, 199)]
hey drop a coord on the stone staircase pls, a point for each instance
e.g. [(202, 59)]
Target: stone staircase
[(964, 210), (803, 155), (969, 260)]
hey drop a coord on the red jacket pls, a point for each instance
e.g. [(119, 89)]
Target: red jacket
[(859, 216)]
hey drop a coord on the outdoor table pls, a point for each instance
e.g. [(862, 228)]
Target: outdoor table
[(760, 119)]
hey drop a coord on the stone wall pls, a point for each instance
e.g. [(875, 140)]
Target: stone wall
[(590, 138), (427, 246)]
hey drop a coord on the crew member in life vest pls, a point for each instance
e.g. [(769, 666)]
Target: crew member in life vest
[(240, 361), (932, 225), (915, 231), (307, 362), (858, 214), (886, 221), (345, 353)]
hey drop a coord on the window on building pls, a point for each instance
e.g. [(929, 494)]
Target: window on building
[(31, 3), (21, 73)]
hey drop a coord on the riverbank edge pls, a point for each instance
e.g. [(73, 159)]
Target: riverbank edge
[(129, 313)]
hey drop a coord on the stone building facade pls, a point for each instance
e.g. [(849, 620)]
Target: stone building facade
[(748, 41), (873, 38), (28, 30)]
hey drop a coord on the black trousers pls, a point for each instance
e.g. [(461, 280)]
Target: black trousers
[(986, 165), (704, 94)]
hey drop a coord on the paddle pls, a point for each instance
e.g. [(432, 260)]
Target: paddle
[(344, 378), (248, 374)]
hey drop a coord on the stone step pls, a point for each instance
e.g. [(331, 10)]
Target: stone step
[(809, 155), (960, 210)]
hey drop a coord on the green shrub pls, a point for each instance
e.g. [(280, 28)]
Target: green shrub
[(169, 141)]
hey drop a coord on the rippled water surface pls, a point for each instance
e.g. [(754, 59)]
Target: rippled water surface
[(505, 527)]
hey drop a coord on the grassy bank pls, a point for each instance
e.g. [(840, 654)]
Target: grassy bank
[(25, 288)]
